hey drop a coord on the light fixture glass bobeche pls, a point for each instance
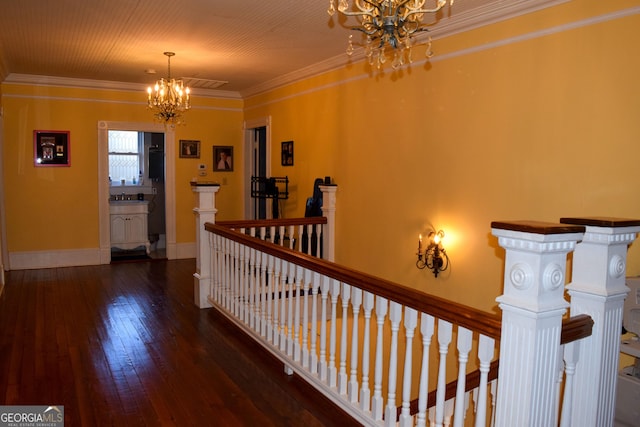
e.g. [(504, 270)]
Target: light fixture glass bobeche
[(169, 98), (387, 23)]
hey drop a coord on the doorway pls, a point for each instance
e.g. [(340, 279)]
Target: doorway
[(257, 164), (154, 132)]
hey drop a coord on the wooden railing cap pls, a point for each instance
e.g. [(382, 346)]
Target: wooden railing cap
[(537, 227), (204, 184), (601, 221)]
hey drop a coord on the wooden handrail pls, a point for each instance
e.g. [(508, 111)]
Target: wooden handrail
[(473, 319)]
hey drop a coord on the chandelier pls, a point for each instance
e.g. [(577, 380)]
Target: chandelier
[(168, 99), (387, 23)]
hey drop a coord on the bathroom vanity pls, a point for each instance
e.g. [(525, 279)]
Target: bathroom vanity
[(129, 224)]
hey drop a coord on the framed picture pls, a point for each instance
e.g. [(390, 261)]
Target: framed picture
[(287, 153), (51, 148), (189, 149), (222, 158)]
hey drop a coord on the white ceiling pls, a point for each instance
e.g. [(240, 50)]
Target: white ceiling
[(247, 43)]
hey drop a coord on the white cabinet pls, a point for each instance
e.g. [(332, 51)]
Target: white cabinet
[(129, 224)]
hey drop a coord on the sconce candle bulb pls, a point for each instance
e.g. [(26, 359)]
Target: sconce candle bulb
[(434, 256)]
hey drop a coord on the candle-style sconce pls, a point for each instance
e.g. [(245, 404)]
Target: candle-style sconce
[(434, 257)]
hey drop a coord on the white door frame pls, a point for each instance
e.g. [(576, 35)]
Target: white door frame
[(103, 182), (249, 142)]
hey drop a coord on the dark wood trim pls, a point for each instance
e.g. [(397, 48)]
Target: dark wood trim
[(602, 221), (537, 227)]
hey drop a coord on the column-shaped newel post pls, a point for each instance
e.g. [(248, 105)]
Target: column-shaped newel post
[(532, 307), (329, 212), (598, 289), (205, 211)]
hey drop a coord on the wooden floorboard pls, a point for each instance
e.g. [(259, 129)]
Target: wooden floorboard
[(124, 345)]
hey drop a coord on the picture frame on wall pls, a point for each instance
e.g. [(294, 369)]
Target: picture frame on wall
[(222, 158), (189, 149), (51, 148), (287, 153)]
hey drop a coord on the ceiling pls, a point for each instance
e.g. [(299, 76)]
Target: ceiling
[(246, 43)]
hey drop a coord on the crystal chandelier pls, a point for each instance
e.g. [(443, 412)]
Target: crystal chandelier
[(168, 99), (387, 23)]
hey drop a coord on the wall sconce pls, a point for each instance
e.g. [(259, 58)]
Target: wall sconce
[(434, 256)]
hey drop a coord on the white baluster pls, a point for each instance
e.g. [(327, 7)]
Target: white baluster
[(444, 339), (342, 372), (291, 286), (493, 388), (332, 373), (296, 322), (365, 391), (448, 412), (410, 323), (571, 357), (464, 347), (237, 303), (426, 330), (395, 316), (313, 355), (272, 233), (376, 401), (246, 284), (486, 349), (309, 232), (356, 301), (283, 300), (292, 239), (262, 290), (282, 233), (322, 364), (277, 298), (270, 298), (305, 318)]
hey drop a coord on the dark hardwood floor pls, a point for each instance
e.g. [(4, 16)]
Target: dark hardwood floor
[(124, 345)]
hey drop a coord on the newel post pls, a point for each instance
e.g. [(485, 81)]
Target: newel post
[(205, 211), (598, 289), (329, 212), (532, 307)]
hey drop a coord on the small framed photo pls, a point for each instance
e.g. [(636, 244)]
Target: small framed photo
[(51, 148), (287, 153), (222, 158), (189, 149)]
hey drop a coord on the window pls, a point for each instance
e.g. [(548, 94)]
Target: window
[(126, 157)]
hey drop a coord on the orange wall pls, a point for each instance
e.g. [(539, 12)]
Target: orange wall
[(45, 206), (495, 128)]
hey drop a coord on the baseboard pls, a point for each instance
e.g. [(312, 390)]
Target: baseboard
[(53, 259), (79, 257)]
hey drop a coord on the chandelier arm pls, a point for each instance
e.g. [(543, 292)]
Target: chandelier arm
[(413, 11)]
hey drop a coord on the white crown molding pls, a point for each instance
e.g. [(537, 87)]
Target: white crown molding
[(37, 80)]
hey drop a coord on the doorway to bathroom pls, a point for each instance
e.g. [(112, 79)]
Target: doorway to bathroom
[(137, 180), (150, 177)]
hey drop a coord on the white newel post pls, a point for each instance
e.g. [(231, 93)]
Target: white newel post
[(205, 211), (598, 289), (532, 307), (329, 212)]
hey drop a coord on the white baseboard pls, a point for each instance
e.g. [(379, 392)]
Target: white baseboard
[(52, 259), (79, 257)]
